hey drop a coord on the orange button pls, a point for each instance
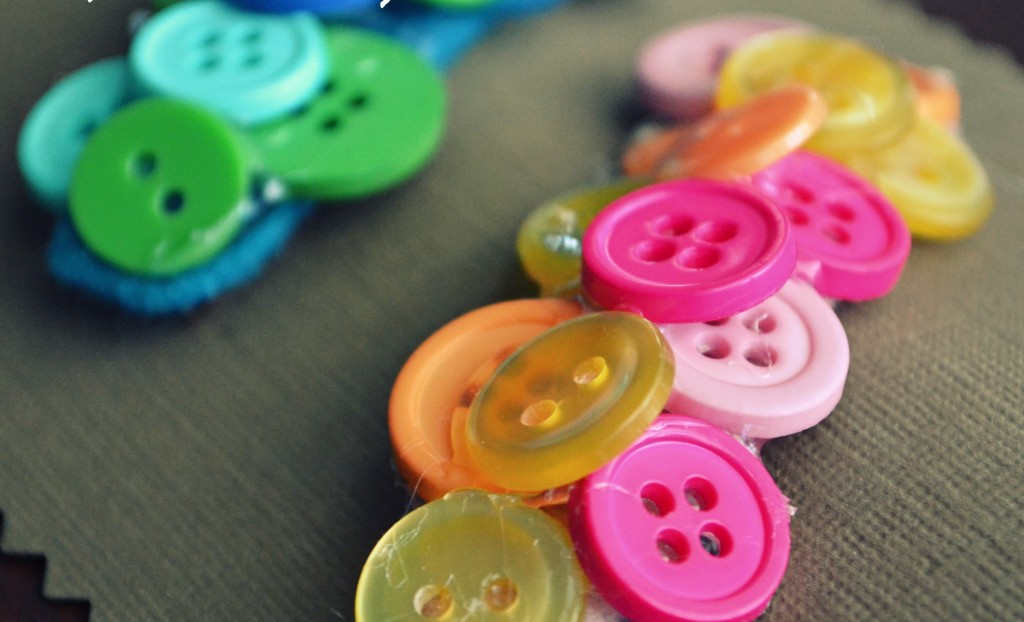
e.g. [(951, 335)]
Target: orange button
[(733, 143), (435, 388), (935, 95)]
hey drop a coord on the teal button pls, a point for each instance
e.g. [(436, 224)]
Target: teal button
[(248, 67), (61, 122), (161, 188), (377, 120)]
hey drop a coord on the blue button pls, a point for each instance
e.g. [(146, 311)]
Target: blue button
[(249, 67), (318, 7), (61, 122)]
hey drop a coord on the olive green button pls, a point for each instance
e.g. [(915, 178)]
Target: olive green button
[(160, 188), (377, 120)]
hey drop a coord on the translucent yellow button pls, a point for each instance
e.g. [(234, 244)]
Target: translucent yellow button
[(934, 180), (569, 401), (869, 97), (551, 238), (472, 556)]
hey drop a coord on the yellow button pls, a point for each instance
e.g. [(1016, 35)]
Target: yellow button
[(551, 238), (934, 180), (869, 97), (472, 556), (569, 401)]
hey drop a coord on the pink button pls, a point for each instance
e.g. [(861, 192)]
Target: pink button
[(773, 370), (686, 524), (851, 243), (687, 251), (678, 70)]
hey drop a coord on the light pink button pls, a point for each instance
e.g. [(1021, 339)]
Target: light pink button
[(773, 370), (678, 71), (686, 524), (687, 251), (851, 243)]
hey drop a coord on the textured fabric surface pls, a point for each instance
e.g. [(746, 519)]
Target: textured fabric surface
[(236, 466)]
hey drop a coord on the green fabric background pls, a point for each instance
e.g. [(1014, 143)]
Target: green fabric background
[(235, 466)]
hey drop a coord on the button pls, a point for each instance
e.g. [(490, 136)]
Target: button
[(62, 121), (377, 120), (160, 188), (934, 180), (317, 7), (550, 240), (431, 397), (472, 556), (731, 144), (248, 67), (568, 401), (773, 370), (677, 71), (851, 243), (686, 524), (935, 95), (869, 97), (687, 251)]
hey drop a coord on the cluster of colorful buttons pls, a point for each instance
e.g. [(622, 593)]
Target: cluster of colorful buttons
[(224, 113), (612, 429)]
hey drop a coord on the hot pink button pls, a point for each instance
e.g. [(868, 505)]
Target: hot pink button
[(773, 370), (678, 70), (687, 251), (686, 524), (851, 243)]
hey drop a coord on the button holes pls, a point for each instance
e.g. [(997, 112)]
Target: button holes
[(657, 499), (328, 87), (87, 128), (841, 211), (698, 257), (173, 202), (760, 355), (252, 37), (209, 64), (654, 251), (252, 61), (672, 226), (538, 413), (759, 322), (358, 101), (713, 347), (716, 232), (672, 546), (700, 494), (837, 234), (715, 540), (797, 217), (563, 244), (143, 165), (717, 322), (501, 594), (211, 39), (330, 124), (432, 601), (591, 372), (799, 193)]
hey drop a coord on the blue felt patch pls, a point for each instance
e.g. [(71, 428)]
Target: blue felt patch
[(72, 264)]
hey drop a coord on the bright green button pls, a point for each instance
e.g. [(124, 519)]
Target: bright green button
[(377, 120), (160, 188), (472, 556), (551, 238)]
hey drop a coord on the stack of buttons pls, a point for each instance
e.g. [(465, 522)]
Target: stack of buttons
[(178, 172), (599, 446)]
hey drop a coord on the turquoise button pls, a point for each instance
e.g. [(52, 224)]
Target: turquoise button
[(248, 67), (61, 122)]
